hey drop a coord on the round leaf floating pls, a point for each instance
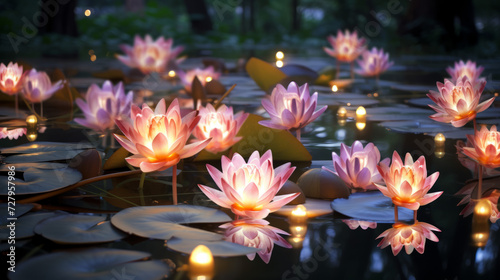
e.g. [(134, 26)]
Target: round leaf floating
[(39, 181), (45, 147), (163, 222), (42, 156), (21, 167), (25, 225), (219, 248), (370, 206), (93, 264), (21, 209), (78, 229)]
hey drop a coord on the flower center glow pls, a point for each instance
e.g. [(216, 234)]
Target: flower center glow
[(214, 121)]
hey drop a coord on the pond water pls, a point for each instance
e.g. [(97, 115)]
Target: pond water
[(329, 249)]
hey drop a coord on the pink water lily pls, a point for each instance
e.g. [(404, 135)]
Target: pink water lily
[(357, 166), (11, 77), (151, 56), (458, 104), (158, 138), (485, 147), (221, 125), (257, 234), (408, 236), (373, 63), (204, 75), (249, 188), (38, 87), (291, 108), (407, 184), (492, 198), (468, 69), (346, 47), (469, 163), (103, 106)]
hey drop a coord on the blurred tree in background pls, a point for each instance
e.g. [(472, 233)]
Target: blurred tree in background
[(232, 27)]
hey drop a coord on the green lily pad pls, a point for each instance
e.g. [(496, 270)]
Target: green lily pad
[(92, 264), (164, 222), (261, 138), (25, 225), (78, 229), (219, 248), (45, 147), (264, 74), (39, 180), (370, 206)]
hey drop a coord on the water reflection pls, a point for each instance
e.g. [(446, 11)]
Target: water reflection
[(256, 234), (409, 236), (354, 224)]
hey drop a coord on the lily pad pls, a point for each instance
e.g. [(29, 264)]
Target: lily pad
[(164, 222), (370, 206), (261, 138), (45, 147), (117, 159), (92, 264), (315, 208), (78, 229), (43, 156), (219, 248), (21, 167), (25, 225), (416, 126), (39, 180), (21, 209), (264, 74)]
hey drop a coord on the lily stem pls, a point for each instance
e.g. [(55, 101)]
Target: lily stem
[(395, 213), (480, 183), (415, 216), (297, 134), (141, 182)]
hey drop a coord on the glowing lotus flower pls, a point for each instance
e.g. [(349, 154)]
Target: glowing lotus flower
[(492, 198), (346, 46), (408, 184), (485, 147), (104, 106), (458, 104), (220, 125), (357, 166), (291, 108), (158, 139), (150, 56), (471, 164), (204, 75), (257, 234), (374, 63), (249, 188), (462, 69), (11, 78), (409, 236), (38, 87), (354, 224)]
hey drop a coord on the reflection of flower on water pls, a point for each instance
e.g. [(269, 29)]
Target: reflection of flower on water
[(492, 198), (257, 234), (16, 132), (249, 188), (357, 166), (409, 236), (354, 224)]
